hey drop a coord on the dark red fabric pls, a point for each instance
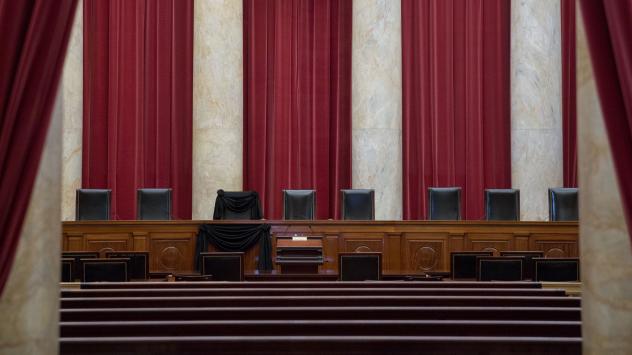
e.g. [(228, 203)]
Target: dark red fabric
[(609, 32), (137, 122), (297, 100), (34, 39), (569, 94), (456, 104)]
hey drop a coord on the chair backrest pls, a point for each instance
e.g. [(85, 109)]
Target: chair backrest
[(358, 204), (92, 204), (237, 205), (499, 268), (502, 204), (153, 204), (444, 203), (76, 256), (463, 264), (67, 269), (138, 263), (105, 270), (359, 266), (529, 266), (223, 266), (299, 204), (556, 269), (563, 204)]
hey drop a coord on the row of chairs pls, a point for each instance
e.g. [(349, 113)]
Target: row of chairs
[(357, 204)]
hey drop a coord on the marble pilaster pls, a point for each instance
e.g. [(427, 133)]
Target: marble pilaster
[(377, 103), (606, 254), (536, 116), (71, 91), (30, 301), (217, 102)]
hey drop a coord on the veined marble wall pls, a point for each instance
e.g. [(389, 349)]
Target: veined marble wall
[(606, 254), (217, 102), (377, 103), (536, 106), (71, 91), (30, 300)]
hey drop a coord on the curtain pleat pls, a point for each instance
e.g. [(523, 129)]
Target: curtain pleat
[(569, 94), (297, 105), (456, 103), (138, 100)]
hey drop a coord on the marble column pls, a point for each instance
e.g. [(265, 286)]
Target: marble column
[(606, 254), (377, 103), (217, 102), (536, 106), (29, 304), (71, 91)]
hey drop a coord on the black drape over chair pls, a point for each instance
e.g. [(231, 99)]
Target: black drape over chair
[(563, 204), (444, 203), (153, 204), (93, 205), (502, 204), (299, 204), (236, 238), (358, 204), (237, 205)]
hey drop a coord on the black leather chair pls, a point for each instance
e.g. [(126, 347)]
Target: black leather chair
[(444, 203), (502, 204), (359, 266), (138, 263), (223, 266), (463, 264), (499, 268), (67, 269), (563, 204), (299, 204), (556, 269), (76, 256), (237, 205), (92, 205), (529, 266), (358, 204), (105, 270), (153, 204)]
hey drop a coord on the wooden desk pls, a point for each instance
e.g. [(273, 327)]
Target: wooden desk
[(408, 247)]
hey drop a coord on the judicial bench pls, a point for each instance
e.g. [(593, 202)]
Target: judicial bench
[(408, 247)]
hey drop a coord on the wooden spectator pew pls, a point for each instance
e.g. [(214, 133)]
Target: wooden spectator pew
[(320, 344)]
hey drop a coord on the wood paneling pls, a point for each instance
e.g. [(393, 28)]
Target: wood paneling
[(408, 247)]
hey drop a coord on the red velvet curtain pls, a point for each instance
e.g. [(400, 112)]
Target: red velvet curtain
[(456, 104), (609, 32), (297, 100), (138, 73), (569, 94), (32, 50)]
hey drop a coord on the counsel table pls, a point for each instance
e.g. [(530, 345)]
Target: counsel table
[(408, 247)]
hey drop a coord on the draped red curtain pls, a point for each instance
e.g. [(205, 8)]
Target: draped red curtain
[(297, 100), (569, 94), (137, 120), (456, 104), (609, 33), (32, 50)]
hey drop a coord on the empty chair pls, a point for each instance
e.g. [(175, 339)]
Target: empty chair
[(556, 269), (444, 203), (223, 266), (528, 267), (153, 204), (101, 270), (502, 204), (138, 263), (76, 257), (67, 269), (359, 266), (563, 204), (358, 204), (237, 205), (299, 204), (463, 263), (499, 268), (92, 205)]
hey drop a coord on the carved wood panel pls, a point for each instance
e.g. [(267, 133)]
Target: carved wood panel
[(489, 242), (555, 246), (108, 242), (362, 242), (425, 252), (171, 252)]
